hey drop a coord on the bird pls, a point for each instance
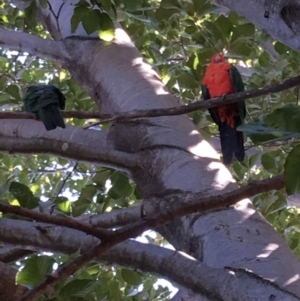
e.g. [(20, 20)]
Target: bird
[(222, 78), (46, 101)]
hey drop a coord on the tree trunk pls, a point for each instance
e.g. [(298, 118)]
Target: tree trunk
[(172, 156)]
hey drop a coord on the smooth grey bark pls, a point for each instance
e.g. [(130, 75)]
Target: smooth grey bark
[(174, 157), (27, 136), (178, 267)]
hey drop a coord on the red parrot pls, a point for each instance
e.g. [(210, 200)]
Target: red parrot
[(222, 78)]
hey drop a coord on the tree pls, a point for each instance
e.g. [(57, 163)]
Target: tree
[(101, 175)]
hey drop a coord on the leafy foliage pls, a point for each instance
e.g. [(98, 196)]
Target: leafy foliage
[(178, 38)]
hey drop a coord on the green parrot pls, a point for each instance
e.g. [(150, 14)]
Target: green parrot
[(46, 101)]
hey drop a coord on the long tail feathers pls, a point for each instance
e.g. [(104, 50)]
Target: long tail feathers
[(51, 117), (232, 143)]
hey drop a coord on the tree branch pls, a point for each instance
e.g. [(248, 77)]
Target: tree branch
[(10, 291), (179, 110), (66, 114), (171, 206), (10, 254), (176, 207), (157, 210), (55, 220), (200, 105), (112, 219), (80, 261), (24, 42), (27, 137), (167, 209), (175, 266)]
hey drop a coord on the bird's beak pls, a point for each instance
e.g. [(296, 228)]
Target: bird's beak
[(218, 59)]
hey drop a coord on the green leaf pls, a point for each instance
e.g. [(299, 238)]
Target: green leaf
[(14, 91), (281, 118), (94, 20), (79, 13), (107, 32), (253, 159), (190, 29), (268, 162), (30, 14), (78, 288), (91, 21), (187, 80), (24, 195), (291, 171), (131, 277), (79, 207), (106, 4), (259, 132), (121, 184), (101, 177), (63, 204), (88, 192), (35, 270), (131, 5)]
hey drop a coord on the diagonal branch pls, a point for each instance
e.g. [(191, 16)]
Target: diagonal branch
[(24, 42), (200, 105), (80, 261), (157, 210), (176, 207), (166, 214)]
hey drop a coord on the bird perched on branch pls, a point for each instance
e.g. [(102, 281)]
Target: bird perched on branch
[(46, 101), (222, 78)]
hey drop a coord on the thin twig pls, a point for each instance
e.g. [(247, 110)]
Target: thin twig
[(66, 179), (66, 114), (179, 110), (200, 105)]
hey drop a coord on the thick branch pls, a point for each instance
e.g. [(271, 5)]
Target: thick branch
[(68, 150), (166, 208), (180, 205), (175, 266), (27, 137), (80, 261), (166, 214), (24, 42)]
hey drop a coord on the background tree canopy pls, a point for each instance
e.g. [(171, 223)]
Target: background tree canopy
[(177, 38)]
